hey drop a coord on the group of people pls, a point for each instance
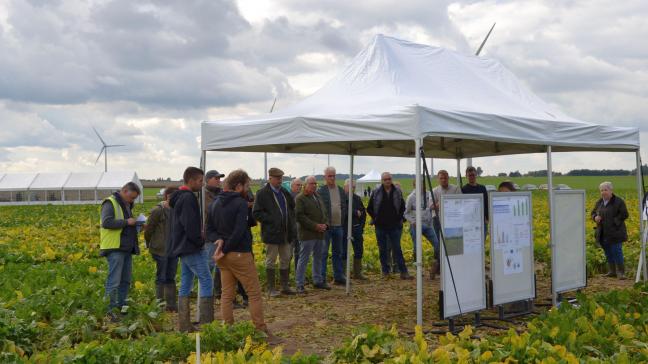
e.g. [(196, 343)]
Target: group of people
[(307, 223)]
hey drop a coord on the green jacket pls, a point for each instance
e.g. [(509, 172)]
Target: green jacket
[(310, 211), (156, 233)]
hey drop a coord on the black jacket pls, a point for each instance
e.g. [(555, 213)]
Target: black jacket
[(379, 197), (275, 228), (230, 219), (186, 230), (612, 228), (358, 206)]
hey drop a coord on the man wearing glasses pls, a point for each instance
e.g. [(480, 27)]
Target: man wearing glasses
[(386, 208), (295, 188), (335, 202)]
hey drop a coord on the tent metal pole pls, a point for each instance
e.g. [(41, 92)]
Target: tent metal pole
[(554, 295), (642, 256), (265, 167), (203, 166), (469, 162), (432, 167), (349, 229), (458, 172), (417, 244)]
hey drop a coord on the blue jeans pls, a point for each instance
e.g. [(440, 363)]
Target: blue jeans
[(389, 239), (333, 238), (166, 268), (308, 248), (210, 249), (195, 265), (427, 232), (357, 242), (613, 253), (120, 271)]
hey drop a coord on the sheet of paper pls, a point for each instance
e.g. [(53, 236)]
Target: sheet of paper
[(513, 261), (511, 222), (472, 226)]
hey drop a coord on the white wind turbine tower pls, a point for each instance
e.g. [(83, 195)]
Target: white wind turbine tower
[(104, 150)]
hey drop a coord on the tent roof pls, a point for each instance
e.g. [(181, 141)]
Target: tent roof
[(85, 180), (372, 176), (48, 181), (17, 181), (395, 91), (111, 180)]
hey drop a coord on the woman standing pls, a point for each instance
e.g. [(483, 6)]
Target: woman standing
[(156, 234), (610, 214)]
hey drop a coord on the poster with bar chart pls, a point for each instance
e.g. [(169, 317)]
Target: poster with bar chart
[(511, 229)]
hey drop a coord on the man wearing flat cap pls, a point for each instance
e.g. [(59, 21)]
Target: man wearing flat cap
[(274, 208)]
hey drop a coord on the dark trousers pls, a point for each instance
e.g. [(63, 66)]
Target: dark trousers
[(389, 239), (166, 269), (613, 253), (297, 247), (357, 242)]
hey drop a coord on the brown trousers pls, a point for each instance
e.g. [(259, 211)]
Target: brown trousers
[(240, 267)]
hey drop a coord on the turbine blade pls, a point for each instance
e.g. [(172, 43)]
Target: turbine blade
[(100, 153), (99, 136), (485, 39), (115, 145), (273, 105)]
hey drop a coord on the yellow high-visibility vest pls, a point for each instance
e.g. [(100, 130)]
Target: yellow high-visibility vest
[(111, 238)]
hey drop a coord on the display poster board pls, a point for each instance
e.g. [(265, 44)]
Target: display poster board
[(462, 220), (511, 231), (568, 258)]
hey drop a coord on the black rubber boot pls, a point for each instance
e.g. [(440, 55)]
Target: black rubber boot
[(611, 270), (206, 305), (159, 292), (621, 271), (284, 276), (170, 297), (270, 277), (357, 270), (184, 319)]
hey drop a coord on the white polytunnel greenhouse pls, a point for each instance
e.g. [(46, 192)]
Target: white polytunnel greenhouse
[(62, 188)]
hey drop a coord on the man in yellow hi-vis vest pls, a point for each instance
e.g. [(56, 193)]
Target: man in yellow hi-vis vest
[(118, 244)]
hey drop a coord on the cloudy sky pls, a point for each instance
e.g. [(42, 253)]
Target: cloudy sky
[(146, 73)]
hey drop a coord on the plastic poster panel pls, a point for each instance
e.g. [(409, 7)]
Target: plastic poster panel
[(511, 229), (462, 220), (568, 259)]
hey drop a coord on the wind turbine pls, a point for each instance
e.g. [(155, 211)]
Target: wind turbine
[(265, 154), (104, 150), (481, 46)]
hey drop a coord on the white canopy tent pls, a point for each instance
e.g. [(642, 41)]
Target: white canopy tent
[(62, 188), (397, 97), (371, 178)]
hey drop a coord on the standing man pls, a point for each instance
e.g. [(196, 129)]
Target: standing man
[(274, 208), (444, 188), (473, 187), (386, 208), (295, 189), (156, 236), (358, 220), (312, 222), (230, 226), (118, 244), (188, 244), (427, 224), (335, 202), (213, 187)]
